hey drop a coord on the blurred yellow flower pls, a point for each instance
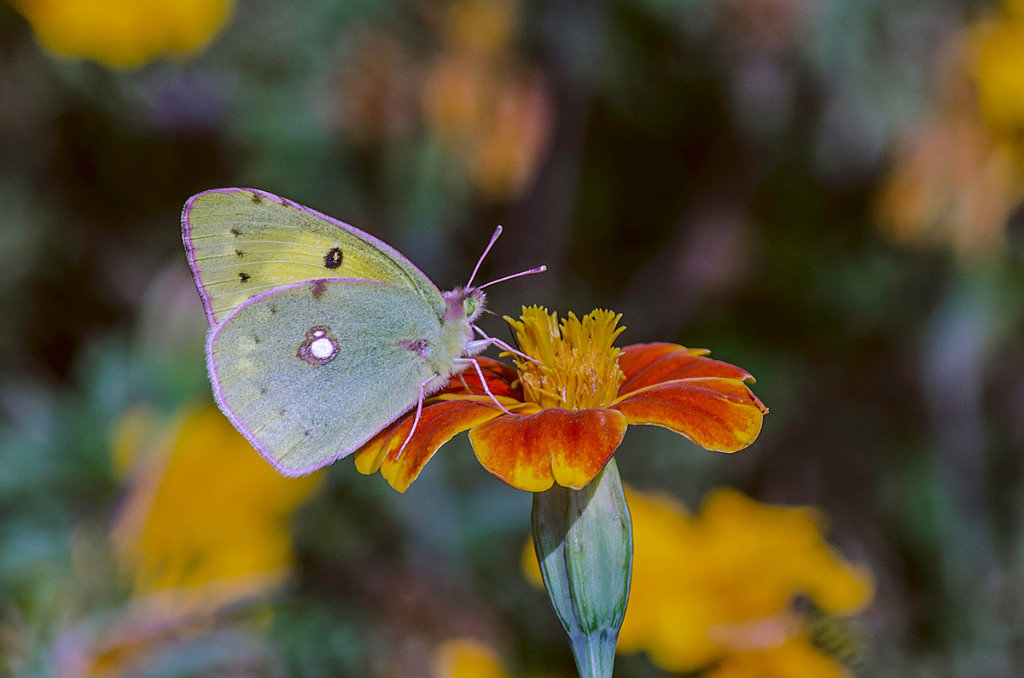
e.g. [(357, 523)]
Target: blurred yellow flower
[(130, 437), (717, 588), (482, 26), (467, 658), (793, 658), (124, 33), (203, 526), (205, 519), (996, 60)]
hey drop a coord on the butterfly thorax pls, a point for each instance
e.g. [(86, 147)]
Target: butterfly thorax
[(462, 307)]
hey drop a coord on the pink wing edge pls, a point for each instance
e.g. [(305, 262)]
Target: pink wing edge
[(190, 253), (218, 393)]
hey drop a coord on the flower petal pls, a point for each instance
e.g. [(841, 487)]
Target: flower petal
[(499, 379), (717, 414), (462, 404), (534, 451), (649, 364), (439, 423)]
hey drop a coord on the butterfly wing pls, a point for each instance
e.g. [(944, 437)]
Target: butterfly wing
[(241, 242), (310, 371)]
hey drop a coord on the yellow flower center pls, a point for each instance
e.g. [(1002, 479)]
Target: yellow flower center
[(574, 364)]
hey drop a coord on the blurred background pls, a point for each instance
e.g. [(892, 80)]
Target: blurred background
[(823, 192)]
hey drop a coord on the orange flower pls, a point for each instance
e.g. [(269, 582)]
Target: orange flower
[(569, 405)]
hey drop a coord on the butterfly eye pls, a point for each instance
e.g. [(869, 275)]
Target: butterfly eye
[(473, 303)]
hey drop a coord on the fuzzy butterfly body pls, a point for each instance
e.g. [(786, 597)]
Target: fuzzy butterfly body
[(320, 334)]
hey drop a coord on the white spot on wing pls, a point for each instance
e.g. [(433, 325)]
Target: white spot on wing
[(319, 346), (322, 348)]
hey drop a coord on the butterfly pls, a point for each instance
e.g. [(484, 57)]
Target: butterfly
[(320, 334)]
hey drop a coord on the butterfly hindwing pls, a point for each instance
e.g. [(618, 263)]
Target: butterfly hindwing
[(242, 242), (310, 371)]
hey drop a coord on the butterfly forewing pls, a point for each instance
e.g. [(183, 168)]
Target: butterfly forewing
[(242, 242), (311, 371)]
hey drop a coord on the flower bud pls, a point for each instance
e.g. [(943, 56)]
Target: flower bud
[(584, 544)]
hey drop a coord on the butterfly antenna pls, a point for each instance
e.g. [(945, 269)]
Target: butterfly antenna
[(539, 269), (487, 249)]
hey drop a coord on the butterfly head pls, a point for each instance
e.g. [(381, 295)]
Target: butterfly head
[(465, 303)]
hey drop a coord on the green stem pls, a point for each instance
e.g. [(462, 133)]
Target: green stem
[(595, 654)]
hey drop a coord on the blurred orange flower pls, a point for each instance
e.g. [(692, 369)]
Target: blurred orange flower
[(494, 118), (716, 589), (487, 112), (205, 520), (373, 94), (124, 33), (569, 405), (957, 177), (952, 185), (493, 115)]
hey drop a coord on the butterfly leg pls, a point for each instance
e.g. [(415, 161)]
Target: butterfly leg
[(483, 382), (489, 341), (415, 421)]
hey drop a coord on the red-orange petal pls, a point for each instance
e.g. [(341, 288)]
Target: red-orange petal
[(717, 414), (649, 364), (531, 452), (439, 423), (499, 378)]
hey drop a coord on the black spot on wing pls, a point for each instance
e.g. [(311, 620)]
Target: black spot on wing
[(333, 258), (235, 232), (319, 287), (239, 253), (244, 277), (256, 198)]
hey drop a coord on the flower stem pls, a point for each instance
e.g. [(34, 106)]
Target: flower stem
[(584, 544)]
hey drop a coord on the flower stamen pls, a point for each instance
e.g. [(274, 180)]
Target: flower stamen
[(575, 364)]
